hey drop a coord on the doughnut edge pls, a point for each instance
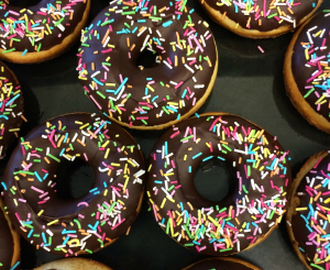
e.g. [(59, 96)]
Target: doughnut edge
[(231, 25), (293, 92)]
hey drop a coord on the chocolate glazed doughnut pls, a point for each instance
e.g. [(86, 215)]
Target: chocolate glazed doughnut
[(92, 221), (11, 108), (241, 220), (260, 18), (40, 32), (10, 243), (308, 212), (182, 67), (306, 71)]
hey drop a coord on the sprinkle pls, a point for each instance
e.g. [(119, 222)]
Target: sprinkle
[(155, 100)]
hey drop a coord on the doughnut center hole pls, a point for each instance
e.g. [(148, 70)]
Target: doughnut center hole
[(147, 59), (74, 179), (24, 3), (214, 180)]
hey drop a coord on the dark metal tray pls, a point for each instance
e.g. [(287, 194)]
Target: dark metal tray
[(249, 84)]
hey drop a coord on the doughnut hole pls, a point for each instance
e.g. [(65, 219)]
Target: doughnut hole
[(214, 180), (147, 59), (73, 179)]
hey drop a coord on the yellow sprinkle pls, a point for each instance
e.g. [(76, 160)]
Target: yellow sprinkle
[(115, 164), (170, 199), (163, 203), (52, 222), (106, 153), (301, 208), (74, 242)]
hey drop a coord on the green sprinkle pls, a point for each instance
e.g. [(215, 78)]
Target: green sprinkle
[(10, 50), (55, 158)]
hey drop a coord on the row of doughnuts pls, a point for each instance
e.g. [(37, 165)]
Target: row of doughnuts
[(54, 220), (181, 64)]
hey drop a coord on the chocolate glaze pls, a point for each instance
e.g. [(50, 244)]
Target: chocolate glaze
[(73, 11), (218, 264), (305, 232), (303, 69), (11, 107), (154, 96), (7, 243), (172, 193), (299, 8), (105, 212)]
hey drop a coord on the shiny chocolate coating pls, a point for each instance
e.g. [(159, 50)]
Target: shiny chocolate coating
[(138, 95), (310, 224), (71, 226), (39, 27), (264, 15), (11, 108), (310, 63), (7, 243), (233, 224)]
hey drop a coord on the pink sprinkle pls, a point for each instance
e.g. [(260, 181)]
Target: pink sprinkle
[(260, 49)]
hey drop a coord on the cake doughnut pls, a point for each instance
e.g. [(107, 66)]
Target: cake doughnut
[(147, 64), (10, 243), (223, 263), (73, 264), (260, 18), (11, 108), (308, 212), (241, 220), (306, 71), (73, 226), (38, 33)]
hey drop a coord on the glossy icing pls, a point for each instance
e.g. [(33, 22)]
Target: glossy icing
[(11, 108), (233, 224), (264, 15), (310, 224), (38, 27), (138, 96), (79, 225), (310, 63), (7, 243)]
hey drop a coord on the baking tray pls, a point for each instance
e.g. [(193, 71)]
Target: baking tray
[(249, 83)]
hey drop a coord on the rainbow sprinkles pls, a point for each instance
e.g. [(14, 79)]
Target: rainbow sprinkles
[(308, 220), (136, 95), (92, 221), (241, 220), (264, 15), (37, 28), (11, 108)]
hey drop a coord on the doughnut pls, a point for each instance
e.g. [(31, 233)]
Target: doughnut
[(308, 212), (147, 64), (242, 219), (260, 18), (306, 71), (223, 263), (73, 264), (40, 32), (73, 226), (11, 108), (10, 243)]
